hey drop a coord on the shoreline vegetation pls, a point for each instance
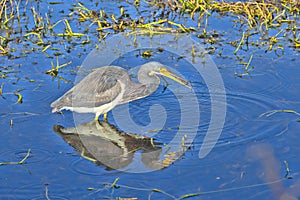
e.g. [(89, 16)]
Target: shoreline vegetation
[(23, 24)]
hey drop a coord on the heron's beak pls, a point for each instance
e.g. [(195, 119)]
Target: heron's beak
[(167, 73)]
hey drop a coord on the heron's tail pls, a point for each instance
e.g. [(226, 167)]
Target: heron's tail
[(55, 107)]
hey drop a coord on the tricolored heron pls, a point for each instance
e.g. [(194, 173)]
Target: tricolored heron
[(109, 86)]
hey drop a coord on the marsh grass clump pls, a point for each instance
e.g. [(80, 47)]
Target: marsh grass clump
[(260, 16)]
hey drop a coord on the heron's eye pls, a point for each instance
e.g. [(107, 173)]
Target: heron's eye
[(151, 73)]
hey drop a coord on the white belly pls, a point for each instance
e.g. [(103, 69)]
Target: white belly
[(101, 109)]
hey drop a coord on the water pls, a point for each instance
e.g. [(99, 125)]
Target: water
[(247, 160)]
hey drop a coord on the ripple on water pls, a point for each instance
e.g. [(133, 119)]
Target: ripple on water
[(40, 98), (263, 79), (79, 166), (243, 119), (36, 155), (243, 125), (37, 95), (41, 191)]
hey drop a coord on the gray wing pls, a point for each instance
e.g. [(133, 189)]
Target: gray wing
[(98, 88), (137, 91)]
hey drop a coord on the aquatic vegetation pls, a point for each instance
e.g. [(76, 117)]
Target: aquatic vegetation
[(272, 112), (54, 70), (21, 162), (269, 182)]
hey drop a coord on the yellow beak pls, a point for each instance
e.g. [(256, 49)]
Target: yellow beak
[(167, 73)]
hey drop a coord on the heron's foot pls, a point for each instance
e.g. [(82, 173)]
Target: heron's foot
[(105, 117)]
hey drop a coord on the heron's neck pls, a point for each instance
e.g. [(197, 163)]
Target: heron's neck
[(148, 84), (151, 82)]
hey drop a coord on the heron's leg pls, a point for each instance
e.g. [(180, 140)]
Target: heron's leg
[(105, 117), (96, 117)]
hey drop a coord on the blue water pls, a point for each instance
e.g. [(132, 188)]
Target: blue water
[(247, 161)]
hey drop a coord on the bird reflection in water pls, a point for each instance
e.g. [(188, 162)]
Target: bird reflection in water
[(105, 145)]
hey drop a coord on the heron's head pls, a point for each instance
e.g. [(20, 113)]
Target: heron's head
[(156, 68)]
